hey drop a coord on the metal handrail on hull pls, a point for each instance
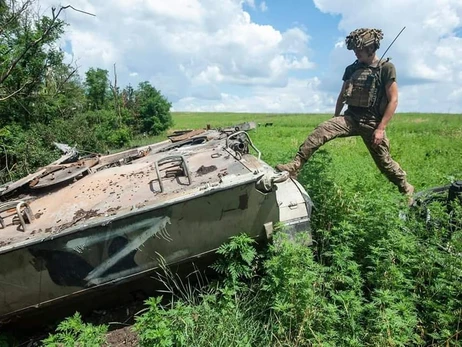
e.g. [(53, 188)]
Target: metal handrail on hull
[(170, 159), (18, 204)]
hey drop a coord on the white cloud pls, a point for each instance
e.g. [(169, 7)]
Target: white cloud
[(297, 96), (250, 3), (184, 47)]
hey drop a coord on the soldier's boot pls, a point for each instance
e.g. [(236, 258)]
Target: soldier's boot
[(408, 190), (293, 167)]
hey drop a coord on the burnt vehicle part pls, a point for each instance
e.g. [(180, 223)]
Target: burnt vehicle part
[(113, 224), (449, 195)]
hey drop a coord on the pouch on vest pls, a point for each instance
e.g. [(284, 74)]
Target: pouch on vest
[(362, 87)]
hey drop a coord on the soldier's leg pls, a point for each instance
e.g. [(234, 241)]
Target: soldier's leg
[(324, 132), (382, 158)]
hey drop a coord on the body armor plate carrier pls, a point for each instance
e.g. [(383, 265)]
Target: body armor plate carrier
[(362, 87)]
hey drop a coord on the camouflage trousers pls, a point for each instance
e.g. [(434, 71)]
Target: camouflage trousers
[(345, 126)]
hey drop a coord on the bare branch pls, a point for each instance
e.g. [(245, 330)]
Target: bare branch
[(77, 10), (16, 92), (53, 25), (116, 95), (72, 73), (6, 163), (28, 48), (15, 15)]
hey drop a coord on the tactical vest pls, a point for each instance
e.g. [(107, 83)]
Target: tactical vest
[(362, 88)]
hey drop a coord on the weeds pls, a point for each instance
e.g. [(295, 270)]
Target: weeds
[(238, 260), (73, 332), (219, 315)]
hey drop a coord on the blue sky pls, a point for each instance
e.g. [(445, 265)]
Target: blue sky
[(284, 15), (267, 56)]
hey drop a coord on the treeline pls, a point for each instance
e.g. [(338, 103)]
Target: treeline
[(44, 100)]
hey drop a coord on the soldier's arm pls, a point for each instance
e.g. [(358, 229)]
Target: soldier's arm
[(392, 95), (339, 104)]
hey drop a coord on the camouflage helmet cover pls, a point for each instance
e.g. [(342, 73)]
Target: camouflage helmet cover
[(360, 38)]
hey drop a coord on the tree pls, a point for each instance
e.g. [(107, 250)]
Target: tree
[(97, 88), (32, 70), (42, 99), (128, 97), (36, 86), (152, 109)]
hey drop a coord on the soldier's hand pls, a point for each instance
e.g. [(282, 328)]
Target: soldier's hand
[(377, 136)]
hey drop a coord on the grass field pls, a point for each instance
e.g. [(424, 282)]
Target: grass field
[(378, 273)]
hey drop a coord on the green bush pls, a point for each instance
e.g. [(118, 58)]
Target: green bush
[(238, 260), (214, 321), (73, 332), (221, 314), (21, 151)]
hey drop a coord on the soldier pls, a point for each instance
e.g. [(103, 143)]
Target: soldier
[(371, 93)]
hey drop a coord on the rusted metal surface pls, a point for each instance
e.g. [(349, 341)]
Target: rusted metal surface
[(57, 174), (186, 135), (18, 184), (114, 223)]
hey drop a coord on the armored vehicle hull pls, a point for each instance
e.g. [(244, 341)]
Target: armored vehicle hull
[(79, 227)]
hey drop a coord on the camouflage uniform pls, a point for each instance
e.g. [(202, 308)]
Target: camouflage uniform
[(346, 126), (358, 120)]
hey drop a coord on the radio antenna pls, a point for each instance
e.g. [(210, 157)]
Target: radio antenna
[(392, 42)]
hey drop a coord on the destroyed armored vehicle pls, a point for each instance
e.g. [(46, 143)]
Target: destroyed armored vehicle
[(449, 195), (82, 224)]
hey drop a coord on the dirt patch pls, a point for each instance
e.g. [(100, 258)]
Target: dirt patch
[(122, 337), (36, 232), (120, 320)]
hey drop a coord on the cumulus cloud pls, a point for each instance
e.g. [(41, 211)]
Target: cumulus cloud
[(186, 48), (297, 96)]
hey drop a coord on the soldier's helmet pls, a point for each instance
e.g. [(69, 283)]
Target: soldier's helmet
[(364, 37)]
